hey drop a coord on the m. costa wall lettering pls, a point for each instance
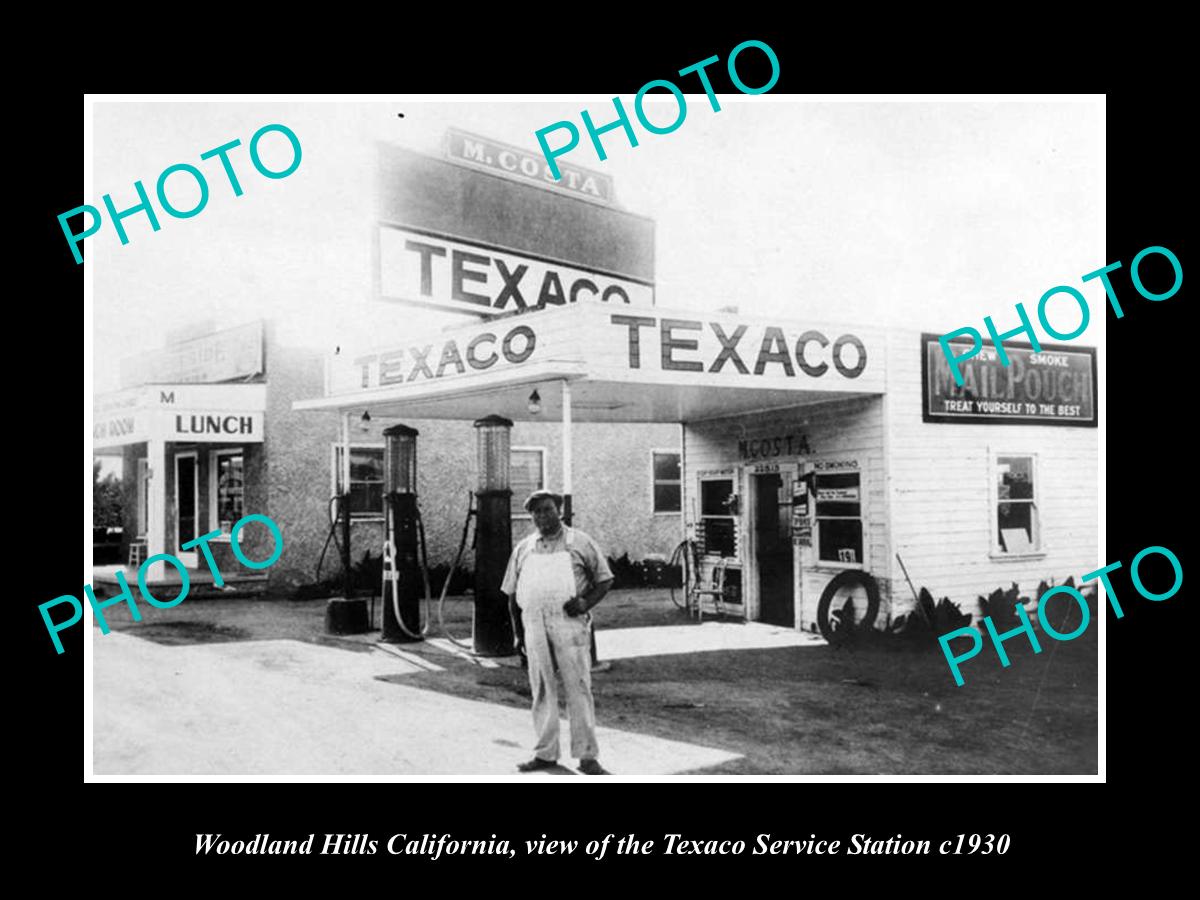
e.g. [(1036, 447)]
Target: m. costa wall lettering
[(781, 445)]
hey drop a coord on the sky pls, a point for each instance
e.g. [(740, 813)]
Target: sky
[(923, 214)]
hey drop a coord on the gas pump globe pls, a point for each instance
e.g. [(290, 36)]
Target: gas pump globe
[(400, 460), (494, 442), (401, 569), (493, 537)]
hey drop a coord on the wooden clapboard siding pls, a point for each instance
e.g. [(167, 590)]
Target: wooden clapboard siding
[(941, 501), (840, 429), (927, 489)]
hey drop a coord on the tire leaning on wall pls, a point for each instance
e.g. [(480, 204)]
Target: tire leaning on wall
[(844, 579)]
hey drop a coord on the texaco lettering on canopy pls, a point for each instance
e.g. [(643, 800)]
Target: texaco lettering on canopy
[(483, 351), (765, 350)]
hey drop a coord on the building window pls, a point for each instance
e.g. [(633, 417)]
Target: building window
[(1017, 527), (717, 533), (366, 479), (668, 486), (527, 473), (228, 495), (839, 516)]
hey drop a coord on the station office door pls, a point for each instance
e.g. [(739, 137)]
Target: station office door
[(773, 554), (186, 503)]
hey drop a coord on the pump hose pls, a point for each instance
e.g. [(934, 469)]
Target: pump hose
[(389, 556), (462, 545), (424, 569), (333, 523)]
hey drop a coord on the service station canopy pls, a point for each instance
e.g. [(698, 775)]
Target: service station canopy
[(625, 364)]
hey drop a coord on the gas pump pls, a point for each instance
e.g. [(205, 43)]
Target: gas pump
[(346, 614), (402, 575), (493, 537), (343, 521)]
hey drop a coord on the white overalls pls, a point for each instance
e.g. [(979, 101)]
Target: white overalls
[(547, 581)]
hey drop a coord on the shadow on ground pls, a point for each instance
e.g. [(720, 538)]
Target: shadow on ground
[(873, 709)]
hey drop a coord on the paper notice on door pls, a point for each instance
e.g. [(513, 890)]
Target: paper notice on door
[(801, 531), (846, 493), (1016, 540)]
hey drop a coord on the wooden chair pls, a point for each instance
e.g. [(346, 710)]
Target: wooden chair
[(137, 553), (713, 591)]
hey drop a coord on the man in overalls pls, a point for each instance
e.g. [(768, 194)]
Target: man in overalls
[(556, 575)]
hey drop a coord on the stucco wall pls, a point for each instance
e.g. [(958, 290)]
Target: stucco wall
[(297, 464), (612, 478), (130, 454)]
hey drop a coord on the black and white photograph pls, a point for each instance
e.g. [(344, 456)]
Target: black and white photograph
[(699, 434)]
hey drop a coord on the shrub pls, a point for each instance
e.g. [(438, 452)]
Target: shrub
[(1001, 605), (1061, 611), (653, 572), (931, 620), (626, 574)]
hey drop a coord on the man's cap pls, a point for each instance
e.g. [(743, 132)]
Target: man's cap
[(540, 494)]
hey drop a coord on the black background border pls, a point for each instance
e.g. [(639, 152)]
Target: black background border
[(1050, 824)]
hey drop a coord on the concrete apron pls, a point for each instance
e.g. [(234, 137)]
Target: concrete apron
[(287, 707), (627, 643)]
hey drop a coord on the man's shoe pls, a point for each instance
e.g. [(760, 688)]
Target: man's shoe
[(591, 767), (538, 763)]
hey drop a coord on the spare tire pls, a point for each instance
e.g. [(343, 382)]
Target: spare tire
[(843, 579)]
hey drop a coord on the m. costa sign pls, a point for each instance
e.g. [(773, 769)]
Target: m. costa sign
[(521, 165)]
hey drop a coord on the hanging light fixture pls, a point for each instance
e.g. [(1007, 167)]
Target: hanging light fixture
[(364, 423), (535, 402)]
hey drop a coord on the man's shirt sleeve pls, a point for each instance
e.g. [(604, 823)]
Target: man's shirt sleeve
[(509, 585), (597, 562)]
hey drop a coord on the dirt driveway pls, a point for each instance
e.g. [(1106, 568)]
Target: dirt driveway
[(793, 710)]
